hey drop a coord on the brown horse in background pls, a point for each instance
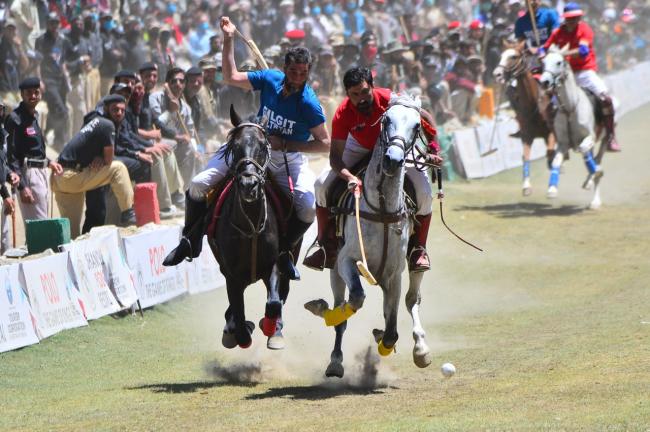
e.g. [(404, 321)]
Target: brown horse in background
[(529, 103)]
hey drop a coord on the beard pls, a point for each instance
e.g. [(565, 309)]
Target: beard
[(364, 107)]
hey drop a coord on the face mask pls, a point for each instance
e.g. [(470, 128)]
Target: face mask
[(171, 8), (218, 76), (204, 26), (428, 2), (369, 51), (352, 5), (328, 9), (315, 10)]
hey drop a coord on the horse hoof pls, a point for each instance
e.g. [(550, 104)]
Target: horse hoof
[(551, 192), (317, 307), (246, 345), (275, 342), (268, 326), (421, 358), (378, 335), (334, 369), (383, 350), (228, 340), (527, 191), (595, 205)]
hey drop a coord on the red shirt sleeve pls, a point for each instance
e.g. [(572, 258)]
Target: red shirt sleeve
[(585, 33), (341, 123)]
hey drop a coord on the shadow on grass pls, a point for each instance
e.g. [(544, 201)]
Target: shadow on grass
[(525, 209), (189, 387), (316, 392)]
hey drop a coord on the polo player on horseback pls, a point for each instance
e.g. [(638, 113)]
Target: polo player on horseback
[(582, 58), (355, 131), (293, 113)]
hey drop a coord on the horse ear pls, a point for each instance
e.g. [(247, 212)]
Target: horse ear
[(264, 121), (234, 117), (564, 49)]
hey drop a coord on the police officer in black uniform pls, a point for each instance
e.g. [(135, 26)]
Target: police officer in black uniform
[(26, 152), (88, 163)]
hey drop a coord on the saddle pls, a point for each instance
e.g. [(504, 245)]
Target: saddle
[(280, 202), (340, 201)]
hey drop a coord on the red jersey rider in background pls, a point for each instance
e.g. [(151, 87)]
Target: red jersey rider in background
[(355, 131), (582, 59)]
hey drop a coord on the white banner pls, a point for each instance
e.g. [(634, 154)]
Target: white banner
[(116, 271), (203, 274), (145, 253), (16, 319), (52, 294), (89, 265)]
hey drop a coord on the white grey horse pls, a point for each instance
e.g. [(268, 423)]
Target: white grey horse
[(574, 123), (383, 183)]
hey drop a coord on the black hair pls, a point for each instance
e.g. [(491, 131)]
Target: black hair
[(299, 55), (173, 71), (355, 76)]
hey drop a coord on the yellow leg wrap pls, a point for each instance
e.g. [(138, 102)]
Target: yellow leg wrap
[(383, 351), (336, 316)]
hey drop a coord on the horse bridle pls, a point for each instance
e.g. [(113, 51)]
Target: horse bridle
[(260, 175)]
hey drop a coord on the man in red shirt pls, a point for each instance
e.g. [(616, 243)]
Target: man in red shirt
[(355, 131), (582, 58)]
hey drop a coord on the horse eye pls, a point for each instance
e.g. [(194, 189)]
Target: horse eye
[(559, 62)]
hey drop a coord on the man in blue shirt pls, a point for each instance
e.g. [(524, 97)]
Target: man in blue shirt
[(294, 115), (546, 21)]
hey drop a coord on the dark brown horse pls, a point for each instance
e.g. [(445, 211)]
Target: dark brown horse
[(529, 103)]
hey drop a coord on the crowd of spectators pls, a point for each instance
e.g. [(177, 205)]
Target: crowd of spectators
[(442, 50)]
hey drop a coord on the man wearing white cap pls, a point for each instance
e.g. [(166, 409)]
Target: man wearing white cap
[(582, 58)]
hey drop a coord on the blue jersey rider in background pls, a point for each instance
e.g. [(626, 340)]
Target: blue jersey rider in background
[(294, 115)]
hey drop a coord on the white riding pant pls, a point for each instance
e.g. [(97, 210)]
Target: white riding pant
[(352, 154), (589, 79), (302, 176)]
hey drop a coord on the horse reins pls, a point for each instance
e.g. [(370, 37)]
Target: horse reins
[(259, 174)]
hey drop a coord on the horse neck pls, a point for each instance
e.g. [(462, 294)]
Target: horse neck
[(527, 89), (567, 93), (391, 187)]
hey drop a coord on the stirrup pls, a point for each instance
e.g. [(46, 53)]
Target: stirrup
[(414, 266)]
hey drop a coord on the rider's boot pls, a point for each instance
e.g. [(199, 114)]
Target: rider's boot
[(325, 255), (418, 258), (286, 260), (609, 123), (192, 240)]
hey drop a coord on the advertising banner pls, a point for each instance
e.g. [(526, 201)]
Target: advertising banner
[(145, 253), (55, 301), (16, 320)]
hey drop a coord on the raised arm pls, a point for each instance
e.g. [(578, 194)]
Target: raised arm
[(231, 75)]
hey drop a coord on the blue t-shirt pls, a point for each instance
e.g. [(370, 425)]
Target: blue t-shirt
[(546, 19), (291, 116)]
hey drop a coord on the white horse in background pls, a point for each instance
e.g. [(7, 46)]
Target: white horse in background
[(383, 198), (574, 124)]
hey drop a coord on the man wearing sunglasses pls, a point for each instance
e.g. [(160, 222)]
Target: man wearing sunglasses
[(294, 115)]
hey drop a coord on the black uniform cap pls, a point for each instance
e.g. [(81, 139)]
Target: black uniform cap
[(30, 83), (125, 74), (194, 71), (113, 98), (148, 66)]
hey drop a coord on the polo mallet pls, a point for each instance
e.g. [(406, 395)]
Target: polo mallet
[(259, 58), (491, 149), (361, 265), (441, 196), (533, 21)]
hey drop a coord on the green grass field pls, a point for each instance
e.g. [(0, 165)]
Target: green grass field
[(549, 329)]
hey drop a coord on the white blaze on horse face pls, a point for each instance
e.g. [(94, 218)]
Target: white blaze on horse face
[(553, 68), (507, 57)]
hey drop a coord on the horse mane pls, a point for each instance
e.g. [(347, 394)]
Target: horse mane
[(230, 137)]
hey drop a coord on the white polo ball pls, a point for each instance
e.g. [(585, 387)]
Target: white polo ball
[(448, 370)]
